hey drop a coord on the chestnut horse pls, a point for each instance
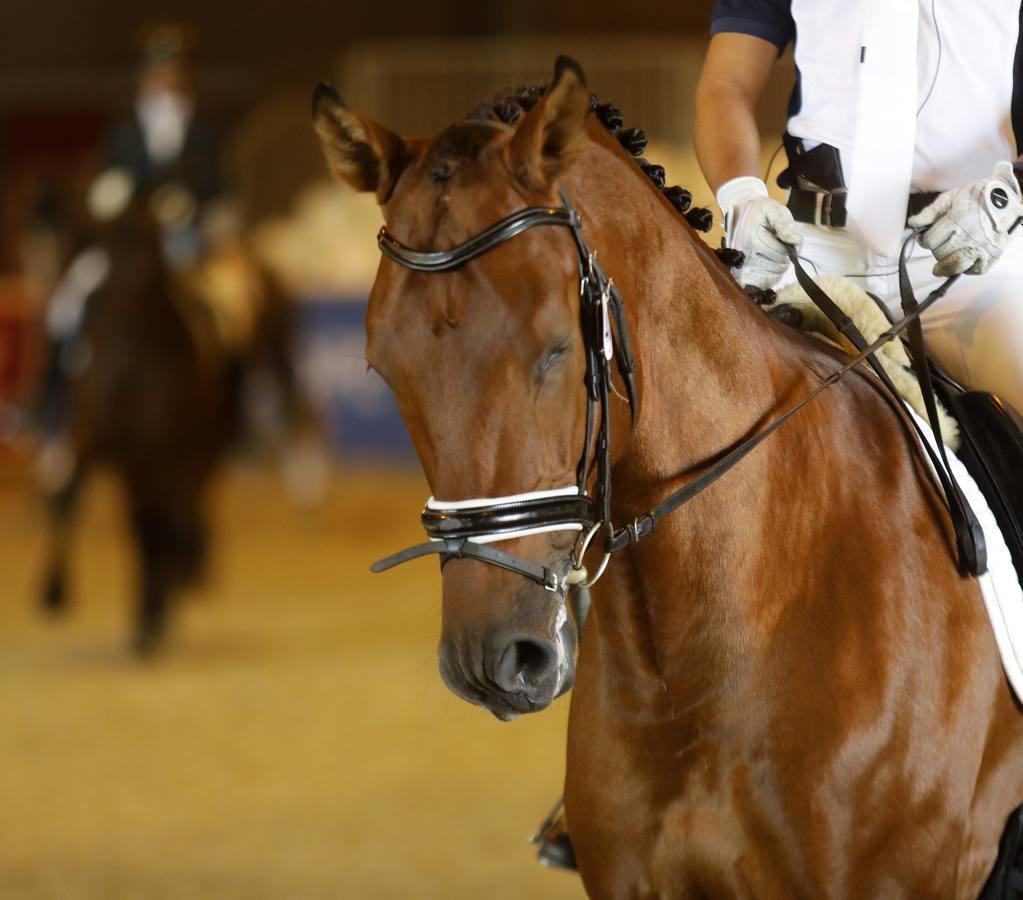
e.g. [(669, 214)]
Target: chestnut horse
[(788, 689)]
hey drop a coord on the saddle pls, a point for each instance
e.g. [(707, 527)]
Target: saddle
[(991, 449), (1006, 879)]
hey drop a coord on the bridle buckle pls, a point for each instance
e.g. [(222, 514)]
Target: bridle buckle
[(637, 530), (826, 212)]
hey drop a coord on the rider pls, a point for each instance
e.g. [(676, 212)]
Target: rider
[(905, 114), (168, 152)]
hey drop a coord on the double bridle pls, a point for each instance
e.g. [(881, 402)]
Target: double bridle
[(466, 529)]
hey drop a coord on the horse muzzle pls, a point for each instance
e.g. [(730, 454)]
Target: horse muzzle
[(514, 673)]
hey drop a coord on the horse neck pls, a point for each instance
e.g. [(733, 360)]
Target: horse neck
[(712, 368)]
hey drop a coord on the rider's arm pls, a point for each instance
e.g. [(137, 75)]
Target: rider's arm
[(726, 136), (728, 148)]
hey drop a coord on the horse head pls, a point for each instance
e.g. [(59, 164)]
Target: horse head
[(487, 361)]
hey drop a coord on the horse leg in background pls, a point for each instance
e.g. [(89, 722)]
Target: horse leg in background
[(154, 578), (172, 546), (188, 544), (61, 502)]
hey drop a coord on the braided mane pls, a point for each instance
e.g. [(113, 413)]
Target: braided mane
[(510, 104)]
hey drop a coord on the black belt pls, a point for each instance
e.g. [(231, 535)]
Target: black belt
[(826, 209), (823, 208)]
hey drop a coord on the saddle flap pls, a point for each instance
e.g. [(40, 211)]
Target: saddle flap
[(992, 451)]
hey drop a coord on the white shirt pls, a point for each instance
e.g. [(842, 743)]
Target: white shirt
[(966, 55)]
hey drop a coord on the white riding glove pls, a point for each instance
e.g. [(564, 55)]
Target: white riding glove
[(761, 227), (970, 225)]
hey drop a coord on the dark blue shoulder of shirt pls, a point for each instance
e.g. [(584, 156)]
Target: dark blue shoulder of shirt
[(767, 19)]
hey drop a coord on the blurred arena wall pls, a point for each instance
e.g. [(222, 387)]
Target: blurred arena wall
[(256, 75)]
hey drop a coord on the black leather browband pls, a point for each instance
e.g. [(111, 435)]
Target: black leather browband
[(498, 233)]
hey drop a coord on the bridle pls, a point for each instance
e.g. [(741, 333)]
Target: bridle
[(466, 529)]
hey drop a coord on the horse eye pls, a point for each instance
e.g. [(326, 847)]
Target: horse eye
[(551, 359)]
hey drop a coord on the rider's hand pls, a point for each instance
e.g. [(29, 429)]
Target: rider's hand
[(970, 226), (762, 228)]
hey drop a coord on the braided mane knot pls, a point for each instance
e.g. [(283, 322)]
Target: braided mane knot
[(510, 105)]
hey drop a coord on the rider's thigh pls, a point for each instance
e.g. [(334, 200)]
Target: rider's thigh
[(825, 252), (976, 331)]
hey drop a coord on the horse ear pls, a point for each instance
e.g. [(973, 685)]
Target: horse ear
[(360, 152), (553, 132)]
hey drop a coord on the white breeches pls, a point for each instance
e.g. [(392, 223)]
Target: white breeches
[(975, 332), (87, 271)]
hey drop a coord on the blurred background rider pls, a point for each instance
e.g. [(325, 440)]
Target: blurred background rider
[(905, 113), (167, 149), (164, 150)]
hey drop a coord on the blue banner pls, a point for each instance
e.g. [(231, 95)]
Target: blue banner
[(356, 406)]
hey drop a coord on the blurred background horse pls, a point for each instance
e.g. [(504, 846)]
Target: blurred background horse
[(152, 394), (159, 324)]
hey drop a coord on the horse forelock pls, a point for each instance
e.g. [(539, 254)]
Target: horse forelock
[(464, 141), (458, 144)]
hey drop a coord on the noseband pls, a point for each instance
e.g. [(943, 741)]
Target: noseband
[(465, 529)]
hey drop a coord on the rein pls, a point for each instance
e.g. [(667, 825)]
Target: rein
[(465, 529)]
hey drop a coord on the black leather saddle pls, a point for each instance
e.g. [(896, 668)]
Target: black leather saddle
[(992, 451), (1006, 879)]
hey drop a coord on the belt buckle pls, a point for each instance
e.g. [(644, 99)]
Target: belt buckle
[(825, 201)]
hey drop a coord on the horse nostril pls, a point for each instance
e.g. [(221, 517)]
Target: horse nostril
[(524, 663)]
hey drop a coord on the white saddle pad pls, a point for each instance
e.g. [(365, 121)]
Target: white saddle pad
[(1000, 585)]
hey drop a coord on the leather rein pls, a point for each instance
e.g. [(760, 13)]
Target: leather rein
[(465, 529)]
